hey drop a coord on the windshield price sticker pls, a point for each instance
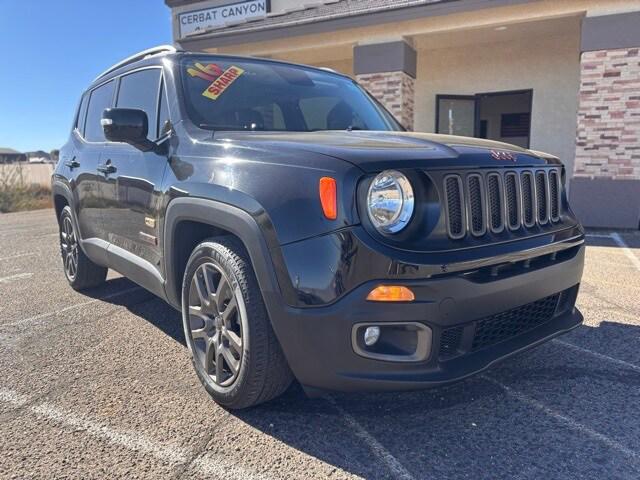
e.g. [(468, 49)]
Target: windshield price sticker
[(223, 82), (220, 80)]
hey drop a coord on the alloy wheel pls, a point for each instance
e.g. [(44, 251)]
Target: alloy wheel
[(69, 247), (215, 325)]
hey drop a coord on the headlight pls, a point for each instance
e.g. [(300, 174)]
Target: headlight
[(390, 201)]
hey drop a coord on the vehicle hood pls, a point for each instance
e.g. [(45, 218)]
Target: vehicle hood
[(374, 151)]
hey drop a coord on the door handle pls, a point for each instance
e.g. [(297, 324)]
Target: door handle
[(107, 168), (72, 163)]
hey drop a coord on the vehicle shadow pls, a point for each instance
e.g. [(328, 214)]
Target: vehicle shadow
[(123, 292), (565, 413), (477, 429)]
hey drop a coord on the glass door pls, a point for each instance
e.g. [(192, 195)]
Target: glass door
[(502, 116), (456, 115)]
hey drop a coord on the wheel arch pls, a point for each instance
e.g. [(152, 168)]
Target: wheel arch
[(62, 197), (188, 221)]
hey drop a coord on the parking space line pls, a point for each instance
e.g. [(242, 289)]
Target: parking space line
[(70, 307), (19, 255), (17, 276), (224, 469), (601, 356), (625, 248), (618, 240), (130, 441), (568, 421), (393, 464), (133, 441)]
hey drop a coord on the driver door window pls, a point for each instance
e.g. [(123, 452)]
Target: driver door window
[(140, 90)]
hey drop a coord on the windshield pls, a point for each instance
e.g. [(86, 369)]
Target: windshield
[(253, 95)]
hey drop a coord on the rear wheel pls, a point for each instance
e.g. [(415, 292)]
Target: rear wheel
[(234, 349), (81, 272)]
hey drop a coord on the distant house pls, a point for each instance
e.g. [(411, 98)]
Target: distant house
[(9, 155), (38, 157)]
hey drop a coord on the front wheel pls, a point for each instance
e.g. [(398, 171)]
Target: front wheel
[(233, 347), (81, 272)]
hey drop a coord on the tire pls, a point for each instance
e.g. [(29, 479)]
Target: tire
[(81, 273), (233, 348)]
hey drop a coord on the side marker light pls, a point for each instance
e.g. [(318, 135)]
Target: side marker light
[(391, 293)]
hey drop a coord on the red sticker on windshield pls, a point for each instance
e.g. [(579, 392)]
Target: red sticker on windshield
[(220, 80), (206, 72)]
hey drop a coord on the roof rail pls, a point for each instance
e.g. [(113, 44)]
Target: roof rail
[(139, 56)]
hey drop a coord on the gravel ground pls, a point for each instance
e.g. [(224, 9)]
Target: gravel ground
[(99, 385)]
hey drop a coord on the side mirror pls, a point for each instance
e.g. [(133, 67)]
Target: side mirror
[(128, 125)]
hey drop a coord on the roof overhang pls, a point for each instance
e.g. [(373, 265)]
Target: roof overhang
[(291, 25)]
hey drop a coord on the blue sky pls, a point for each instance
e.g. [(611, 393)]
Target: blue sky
[(50, 50)]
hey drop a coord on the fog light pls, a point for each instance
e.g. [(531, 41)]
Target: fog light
[(371, 335)]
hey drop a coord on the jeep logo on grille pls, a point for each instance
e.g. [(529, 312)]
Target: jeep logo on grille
[(502, 155)]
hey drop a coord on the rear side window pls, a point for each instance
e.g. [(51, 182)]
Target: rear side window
[(100, 99), (82, 113), (140, 90)]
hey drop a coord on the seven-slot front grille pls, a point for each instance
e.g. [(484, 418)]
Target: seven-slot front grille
[(477, 202)]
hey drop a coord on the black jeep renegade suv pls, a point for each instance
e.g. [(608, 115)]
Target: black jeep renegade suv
[(303, 233)]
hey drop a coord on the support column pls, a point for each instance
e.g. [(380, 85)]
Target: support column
[(605, 190), (388, 72)]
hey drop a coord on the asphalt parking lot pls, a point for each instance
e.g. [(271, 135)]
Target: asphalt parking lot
[(99, 385)]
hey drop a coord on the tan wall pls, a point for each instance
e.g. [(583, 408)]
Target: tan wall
[(39, 173), (488, 17), (550, 66)]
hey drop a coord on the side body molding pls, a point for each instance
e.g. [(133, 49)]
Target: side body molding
[(260, 242)]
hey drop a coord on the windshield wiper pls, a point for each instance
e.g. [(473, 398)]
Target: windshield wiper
[(211, 126)]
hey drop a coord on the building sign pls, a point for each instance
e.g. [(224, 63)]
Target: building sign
[(217, 17)]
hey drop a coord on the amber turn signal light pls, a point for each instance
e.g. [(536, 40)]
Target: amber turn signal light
[(329, 197), (391, 293)]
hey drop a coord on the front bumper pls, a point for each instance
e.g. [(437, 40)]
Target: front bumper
[(319, 346)]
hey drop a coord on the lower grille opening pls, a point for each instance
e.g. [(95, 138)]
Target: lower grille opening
[(506, 325), (450, 342), (500, 327)]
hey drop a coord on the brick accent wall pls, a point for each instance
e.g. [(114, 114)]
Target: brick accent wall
[(395, 90), (608, 133)]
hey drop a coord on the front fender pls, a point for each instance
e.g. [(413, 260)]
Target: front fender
[(254, 230)]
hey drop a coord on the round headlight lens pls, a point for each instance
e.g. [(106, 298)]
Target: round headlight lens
[(390, 201)]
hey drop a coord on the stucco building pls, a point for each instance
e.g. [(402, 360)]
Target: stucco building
[(561, 76)]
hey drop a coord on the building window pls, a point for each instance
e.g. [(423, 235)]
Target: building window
[(501, 116), (515, 124)]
